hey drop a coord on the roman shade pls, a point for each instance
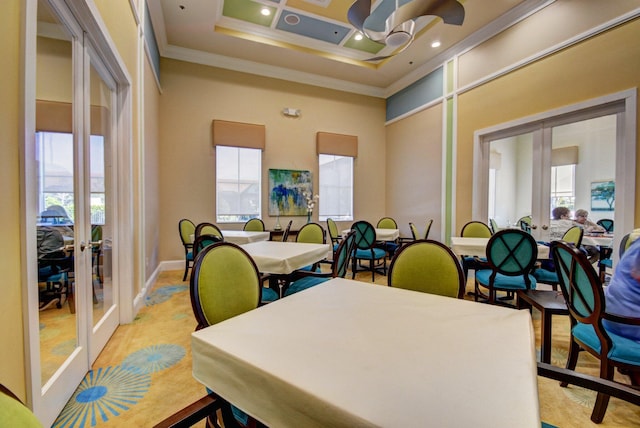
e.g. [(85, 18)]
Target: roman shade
[(238, 134), (337, 144), (564, 156), (55, 116)]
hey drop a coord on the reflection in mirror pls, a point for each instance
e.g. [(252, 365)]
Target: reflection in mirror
[(510, 179), (55, 180)]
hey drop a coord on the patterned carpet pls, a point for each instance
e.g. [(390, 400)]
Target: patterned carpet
[(144, 373)]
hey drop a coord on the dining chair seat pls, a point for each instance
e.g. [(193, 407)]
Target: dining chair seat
[(377, 254), (304, 283), (546, 276), (624, 350), (504, 282), (269, 295)]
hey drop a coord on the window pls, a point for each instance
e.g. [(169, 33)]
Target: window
[(563, 190), (336, 187), (238, 175)]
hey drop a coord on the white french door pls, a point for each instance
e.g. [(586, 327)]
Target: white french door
[(513, 164), (71, 205)]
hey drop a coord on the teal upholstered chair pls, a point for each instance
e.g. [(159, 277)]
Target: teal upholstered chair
[(525, 223), (606, 224), (584, 295), (547, 274), (511, 255), (13, 413), (225, 282), (473, 229), (254, 225), (303, 280), (186, 228), (365, 250), (203, 241), (427, 266)]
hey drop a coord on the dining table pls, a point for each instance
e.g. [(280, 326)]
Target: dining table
[(386, 235), (467, 246), (282, 258), (241, 237), (351, 354)]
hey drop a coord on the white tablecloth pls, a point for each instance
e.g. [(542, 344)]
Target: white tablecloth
[(285, 257), (241, 237), (381, 234), (598, 240), (478, 246), (352, 354)]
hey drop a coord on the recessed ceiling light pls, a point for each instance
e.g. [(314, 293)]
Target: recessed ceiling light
[(265, 11), (435, 44), (358, 36)]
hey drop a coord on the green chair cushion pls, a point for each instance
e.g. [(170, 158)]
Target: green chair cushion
[(15, 414)]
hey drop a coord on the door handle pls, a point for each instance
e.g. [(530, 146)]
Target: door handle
[(534, 226), (545, 227), (83, 245)]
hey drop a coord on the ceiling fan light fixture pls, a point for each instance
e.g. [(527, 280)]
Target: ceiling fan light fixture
[(397, 39)]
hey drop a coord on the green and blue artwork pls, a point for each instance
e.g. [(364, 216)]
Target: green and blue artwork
[(287, 189)]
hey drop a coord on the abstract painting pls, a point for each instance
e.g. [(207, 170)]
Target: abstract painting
[(603, 195), (286, 192)]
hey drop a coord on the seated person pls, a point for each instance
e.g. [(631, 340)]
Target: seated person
[(581, 219), (560, 223), (622, 295)]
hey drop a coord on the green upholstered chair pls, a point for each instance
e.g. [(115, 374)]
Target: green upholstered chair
[(186, 228), (389, 246), (254, 225), (225, 282), (414, 230), (427, 266), (524, 223), (13, 413), (334, 233), (311, 233), (203, 241), (546, 274), (584, 295), (473, 229), (302, 280), (511, 255), (208, 229), (365, 250)]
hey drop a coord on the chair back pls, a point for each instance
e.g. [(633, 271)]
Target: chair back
[(186, 228), (311, 233), (428, 228), (208, 229), (512, 252), (332, 227), (427, 266), (287, 230), (414, 231), (606, 224), (225, 282), (365, 234), (475, 229), (203, 241), (343, 254), (494, 225), (14, 413), (627, 240), (525, 223), (387, 223), (574, 236), (254, 225), (582, 290)]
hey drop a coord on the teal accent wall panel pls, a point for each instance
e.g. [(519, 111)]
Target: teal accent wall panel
[(417, 94)]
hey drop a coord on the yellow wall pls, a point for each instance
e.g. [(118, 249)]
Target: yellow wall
[(599, 66), (12, 368), (151, 171), (194, 95)]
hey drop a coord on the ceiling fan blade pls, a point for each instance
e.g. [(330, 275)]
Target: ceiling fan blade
[(358, 13), (451, 12), (378, 58)]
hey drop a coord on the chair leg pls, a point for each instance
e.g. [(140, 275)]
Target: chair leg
[(602, 400), (572, 358), (186, 269)]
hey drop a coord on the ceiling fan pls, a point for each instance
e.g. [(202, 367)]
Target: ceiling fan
[(399, 27)]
